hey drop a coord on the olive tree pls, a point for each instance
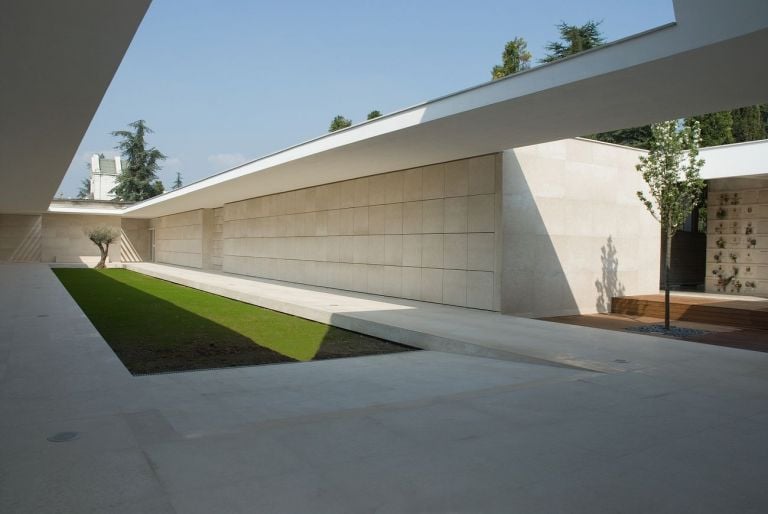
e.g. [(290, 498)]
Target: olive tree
[(671, 170), (103, 237)]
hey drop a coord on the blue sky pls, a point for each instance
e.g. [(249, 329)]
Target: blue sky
[(224, 82)]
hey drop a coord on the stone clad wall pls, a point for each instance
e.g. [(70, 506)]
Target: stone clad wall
[(737, 237), (575, 234), (179, 239), (134, 243), (20, 237), (64, 237), (427, 233), (217, 238)]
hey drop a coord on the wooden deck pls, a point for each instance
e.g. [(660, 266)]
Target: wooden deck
[(715, 309)]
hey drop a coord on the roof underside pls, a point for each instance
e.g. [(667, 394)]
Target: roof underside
[(57, 60), (704, 62)]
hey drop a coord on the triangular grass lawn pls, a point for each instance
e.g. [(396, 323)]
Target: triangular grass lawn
[(156, 326)]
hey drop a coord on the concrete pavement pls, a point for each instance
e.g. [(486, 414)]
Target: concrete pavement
[(680, 427)]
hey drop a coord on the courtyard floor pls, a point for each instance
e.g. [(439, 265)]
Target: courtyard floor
[(601, 422)]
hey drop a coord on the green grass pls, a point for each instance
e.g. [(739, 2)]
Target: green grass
[(155, 326)]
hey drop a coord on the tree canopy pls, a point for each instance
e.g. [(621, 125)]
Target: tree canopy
[(671, 170), (338, 123), (138, 181), (748, 124), (716, 128), (514, 58), (373, 114), (574, 39), (84, 191), (177, 182)]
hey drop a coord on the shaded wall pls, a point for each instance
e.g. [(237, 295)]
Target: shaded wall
[(64, 237), (427, 233), (20, 237), (574, 232), (55, 237), (179, 239), (737, 236), (134, 240), (688, 263)]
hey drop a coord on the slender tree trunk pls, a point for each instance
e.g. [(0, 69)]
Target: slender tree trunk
[(104, 251), (667, 263)]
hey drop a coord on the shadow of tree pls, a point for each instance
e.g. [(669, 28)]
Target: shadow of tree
[(609, 286)]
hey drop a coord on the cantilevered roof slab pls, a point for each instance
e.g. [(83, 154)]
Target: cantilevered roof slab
[(56, 60), (708, 60)]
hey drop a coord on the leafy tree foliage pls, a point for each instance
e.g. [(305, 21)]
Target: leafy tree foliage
[(637, 137), (515, 57), (138, 181), (177, 183), (103, 237), (574, 39), (373, 114), (716, 128), (671, 170), (748, 124), (338, 123), (736, 126)]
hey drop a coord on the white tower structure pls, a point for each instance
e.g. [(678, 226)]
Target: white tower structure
[(104, 173)]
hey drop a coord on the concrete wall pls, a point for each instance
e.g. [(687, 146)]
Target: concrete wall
[(737, 236), (574, 232), (426, 233), (178, 239), (217, 238), (20, 237), (64, 237), (134, 240)]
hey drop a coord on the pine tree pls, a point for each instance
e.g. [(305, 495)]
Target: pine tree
[(574, 39), (138, 181), (515, 57), (84, 192), (373, 115), (177, 183)]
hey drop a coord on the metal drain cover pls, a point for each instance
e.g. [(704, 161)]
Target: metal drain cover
[(64, 437)]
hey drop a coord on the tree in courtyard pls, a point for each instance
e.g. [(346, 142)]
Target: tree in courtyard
[(138, 181), (373, 114), (103, 237), (338, 123), (514, 58), (671, 170), (574, 39), (177, 183)]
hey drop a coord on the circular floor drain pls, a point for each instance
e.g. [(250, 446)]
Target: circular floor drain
[(63, 437)]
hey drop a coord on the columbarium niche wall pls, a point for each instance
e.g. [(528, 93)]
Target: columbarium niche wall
[(737, 237)]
